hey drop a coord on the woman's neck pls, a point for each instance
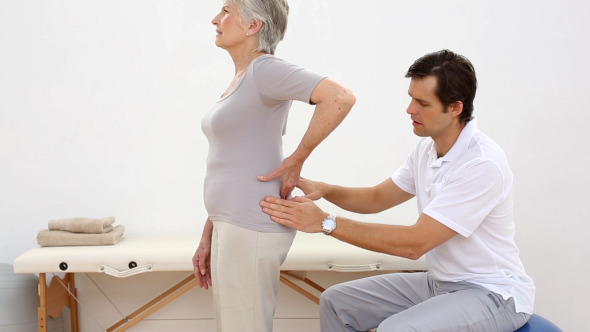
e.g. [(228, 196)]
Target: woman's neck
[(243, 59)]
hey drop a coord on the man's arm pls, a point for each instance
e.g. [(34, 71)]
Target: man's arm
[(357, 199), (405, 241)]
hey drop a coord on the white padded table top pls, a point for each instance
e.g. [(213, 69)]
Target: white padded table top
[(309, 252)]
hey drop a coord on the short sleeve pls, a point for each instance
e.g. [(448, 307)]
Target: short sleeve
[(280, 80), (404, 177)]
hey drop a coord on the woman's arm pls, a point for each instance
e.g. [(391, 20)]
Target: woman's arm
[(333, 102), (202, 257)]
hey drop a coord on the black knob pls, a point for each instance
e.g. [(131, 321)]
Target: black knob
[(63, 266), (132, 265)]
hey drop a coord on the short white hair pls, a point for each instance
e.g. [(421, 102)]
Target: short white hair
[(274, 17)]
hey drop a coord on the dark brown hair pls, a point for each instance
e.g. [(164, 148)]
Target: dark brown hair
[(455, 76)]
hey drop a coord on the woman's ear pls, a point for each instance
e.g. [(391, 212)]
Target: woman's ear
[(254, 27)]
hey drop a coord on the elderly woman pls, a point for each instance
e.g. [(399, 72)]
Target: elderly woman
[(241, 248)]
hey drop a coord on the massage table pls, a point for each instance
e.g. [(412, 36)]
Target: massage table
[(136, 254)]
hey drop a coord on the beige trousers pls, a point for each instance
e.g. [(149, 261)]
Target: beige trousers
[(245, 271)]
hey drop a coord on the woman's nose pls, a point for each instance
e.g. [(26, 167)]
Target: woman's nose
[(215, 20)]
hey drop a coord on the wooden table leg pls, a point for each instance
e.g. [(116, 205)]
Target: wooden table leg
[(155, 304), (42, 310), (52, 299), (73, 303), (300, 290)]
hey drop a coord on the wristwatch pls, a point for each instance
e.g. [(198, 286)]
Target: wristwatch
[(329, 224)]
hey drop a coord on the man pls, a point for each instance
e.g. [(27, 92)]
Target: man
[(463, 185)]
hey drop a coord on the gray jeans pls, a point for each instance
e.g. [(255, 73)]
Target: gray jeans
[(415, 302)]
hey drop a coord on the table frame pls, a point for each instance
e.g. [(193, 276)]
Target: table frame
[(62, 292)]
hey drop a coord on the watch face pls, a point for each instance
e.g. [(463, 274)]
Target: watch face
[(329, 224)]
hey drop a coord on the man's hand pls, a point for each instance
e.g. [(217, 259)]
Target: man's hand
[(299, 213), (312, 190), (288, 172)]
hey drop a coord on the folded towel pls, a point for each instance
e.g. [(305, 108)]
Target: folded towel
[(83, 225), (53, 238)]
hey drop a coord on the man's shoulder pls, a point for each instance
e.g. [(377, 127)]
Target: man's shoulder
[(485, 157), (487, 148)]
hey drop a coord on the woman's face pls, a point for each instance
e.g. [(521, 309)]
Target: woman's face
[(230, 32)]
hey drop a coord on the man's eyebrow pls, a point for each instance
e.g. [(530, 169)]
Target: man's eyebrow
[(418, 99)]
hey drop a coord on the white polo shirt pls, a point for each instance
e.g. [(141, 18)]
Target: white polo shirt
[(470, 191)]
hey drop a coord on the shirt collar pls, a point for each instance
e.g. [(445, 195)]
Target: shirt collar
[(460, 146)]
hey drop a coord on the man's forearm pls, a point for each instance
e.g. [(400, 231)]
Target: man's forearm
[(366, 199), (354, 199), (394, 240)]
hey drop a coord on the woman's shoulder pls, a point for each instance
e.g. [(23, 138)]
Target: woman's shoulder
[(269, 60), (270, 66)]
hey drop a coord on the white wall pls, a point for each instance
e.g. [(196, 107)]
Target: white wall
[(101, 101)]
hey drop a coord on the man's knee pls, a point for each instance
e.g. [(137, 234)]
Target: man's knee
[(327, 296), (334, 299)]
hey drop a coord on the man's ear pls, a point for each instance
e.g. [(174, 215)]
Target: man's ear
[(254, 27), (456, 108)]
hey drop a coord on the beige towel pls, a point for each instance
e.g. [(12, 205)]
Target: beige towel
[(83, 225), (52, 238)]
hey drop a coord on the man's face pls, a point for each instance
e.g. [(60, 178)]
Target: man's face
[(430, 117)]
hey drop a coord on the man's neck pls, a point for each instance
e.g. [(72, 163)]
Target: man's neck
[(444, 143)]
